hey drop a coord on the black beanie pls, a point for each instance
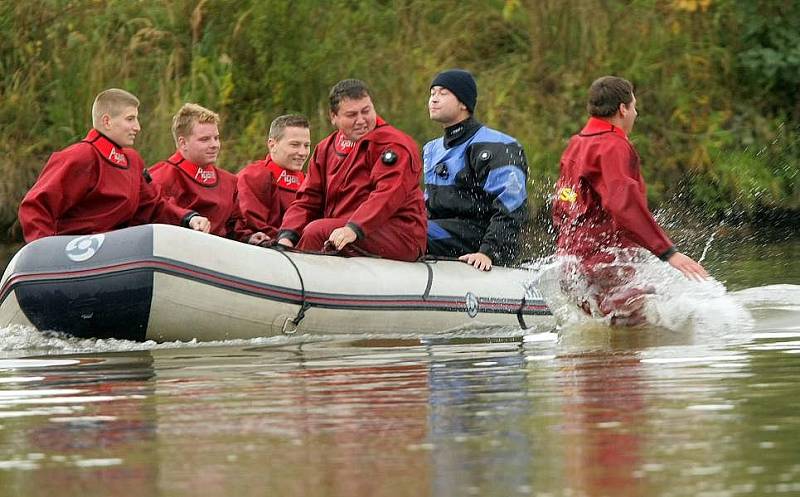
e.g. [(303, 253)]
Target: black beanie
[(461, 83)]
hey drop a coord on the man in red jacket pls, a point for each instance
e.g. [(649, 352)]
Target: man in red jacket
[(362, 191), (600, 207), (96, 185), (190, 179), (267, 187)]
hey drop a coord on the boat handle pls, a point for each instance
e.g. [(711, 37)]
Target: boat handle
[(289, 327)]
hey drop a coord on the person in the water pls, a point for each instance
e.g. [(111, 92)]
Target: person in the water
[(600, 207)]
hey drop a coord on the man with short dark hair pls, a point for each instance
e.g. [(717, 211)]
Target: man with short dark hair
[(96, 185), (268, 187), (362, 192), (475, 179), (600, 207)]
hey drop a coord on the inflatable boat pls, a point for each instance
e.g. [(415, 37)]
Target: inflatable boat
[(165, 283)]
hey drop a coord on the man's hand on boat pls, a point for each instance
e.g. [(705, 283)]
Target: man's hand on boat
[(341, 237), (285, 242), (480, 260), (199, 223), (257, 238), (686, 265)]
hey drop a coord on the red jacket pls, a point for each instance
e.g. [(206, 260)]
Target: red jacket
[(368, 187), (209, 190), (600, 197), (265, 192), (93, 186)]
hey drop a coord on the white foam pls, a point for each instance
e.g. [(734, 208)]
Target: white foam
[(677, 304)]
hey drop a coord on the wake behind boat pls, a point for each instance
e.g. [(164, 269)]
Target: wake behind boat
[(160, 282)]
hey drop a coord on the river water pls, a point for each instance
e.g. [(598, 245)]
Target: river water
[(712, 409)]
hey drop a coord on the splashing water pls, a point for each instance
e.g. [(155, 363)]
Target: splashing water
[(709, 242), (653, 295), (16, 340)]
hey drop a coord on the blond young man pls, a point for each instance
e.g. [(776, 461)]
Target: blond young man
[(96, 185), (190, 178)]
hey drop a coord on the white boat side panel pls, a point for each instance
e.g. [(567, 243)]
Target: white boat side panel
[(10, 313), (184, 309), (224, 256), (322, 321), (362, 275), (456, 278)]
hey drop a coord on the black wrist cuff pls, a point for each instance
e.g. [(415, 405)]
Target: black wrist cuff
[(290, 235), (357, 229), (668, 253), (188, 217)]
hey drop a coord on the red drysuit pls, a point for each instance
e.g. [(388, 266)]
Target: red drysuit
[(600, 198), (208, 190), (265, 192), (600, 204), (373, 189), (93, 186)]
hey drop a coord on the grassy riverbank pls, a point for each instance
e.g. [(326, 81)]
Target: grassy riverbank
[(716, 79)]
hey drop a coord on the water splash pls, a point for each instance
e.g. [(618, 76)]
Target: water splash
[(709, 242), (17, 340), (22, 341), (669, 300)]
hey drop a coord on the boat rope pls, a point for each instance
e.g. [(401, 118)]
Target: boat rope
[(520, 316), (430, 280), (304, 306)]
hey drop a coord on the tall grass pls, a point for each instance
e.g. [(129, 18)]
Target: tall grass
[(708, 131)]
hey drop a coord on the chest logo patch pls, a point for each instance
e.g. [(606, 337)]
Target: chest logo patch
[(389, 157), (567, 194), (441, 170)]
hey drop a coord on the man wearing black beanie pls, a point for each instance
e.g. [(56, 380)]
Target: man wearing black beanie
[(475, 179)]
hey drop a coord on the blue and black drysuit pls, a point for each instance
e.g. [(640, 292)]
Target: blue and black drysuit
[(475, 192)]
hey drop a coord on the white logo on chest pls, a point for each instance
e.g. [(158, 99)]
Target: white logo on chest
[(204, 175), (116, 157), (288, 179)]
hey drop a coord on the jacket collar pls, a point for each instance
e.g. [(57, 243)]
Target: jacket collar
[(110, 151), (461, 132), (284, 178), (206, 175), (597, 126)]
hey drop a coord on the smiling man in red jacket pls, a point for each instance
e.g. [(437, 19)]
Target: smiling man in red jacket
[(190, 178), (600, 207), (268, 187), (362, 191), (96, 185)]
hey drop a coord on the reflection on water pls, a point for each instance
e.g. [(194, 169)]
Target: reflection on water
[(544, 415), (77, 423)]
